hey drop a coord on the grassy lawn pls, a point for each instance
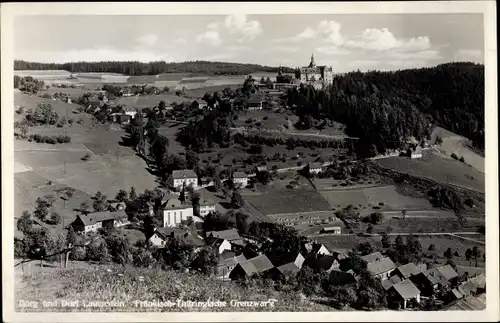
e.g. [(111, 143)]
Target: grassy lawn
[(439, 169)]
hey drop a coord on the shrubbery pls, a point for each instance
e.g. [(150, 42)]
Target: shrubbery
[(60, 139)]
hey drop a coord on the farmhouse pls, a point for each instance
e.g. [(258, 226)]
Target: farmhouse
[(202, 104), (333, 230), (428, 282), (473, 286), (184, 177), (174, 212), (381, 268), (279, 259), (403, 292), (221, 245), (444, 273), (406, 271), (372, 257), (94, 221), (261, 169), (230, 235), (316, 249), (315, 168), (325, 263), (161, 235), (206, 206), (227, 262), (240, 179), (251, 267)]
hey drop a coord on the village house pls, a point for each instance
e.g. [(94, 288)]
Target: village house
[(428, 282), (183, 178), (446, 272), (315, 168), (374, 256), (200, 104), (206, 206), (381, 268), (387, 283), (473, 286), (230, 235), (174, 212), (332, 230), (406, 271), (227, 262), (240, 179), (279, 259), (221, 245), (283, 272), (130, 112), (94, 221), (257, 265), (124, 119), (161, 236), (403, 292), (325, 263), (316, 249)]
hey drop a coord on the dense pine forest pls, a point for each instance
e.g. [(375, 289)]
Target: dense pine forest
[(152, 68), (382, 108)]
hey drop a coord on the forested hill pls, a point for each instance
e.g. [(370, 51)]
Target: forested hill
[(380, 108), (152, 68)]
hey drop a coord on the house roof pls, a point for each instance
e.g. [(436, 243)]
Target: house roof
[(447, 272), (408, 270), (381, 266), (477, 303), (172, 204), (93, 218), (288, 268), (217, 242), (228, 254), (457, 293), (165, 232), (406, 289), (372, 257), (473, 284), (279, 259), (262, 263), (239, 175), (387, 284), (435, 277), (229, 235), (261, 168), (248, 267), (326, 262), (185, 173), (194, 239), (207, 202)]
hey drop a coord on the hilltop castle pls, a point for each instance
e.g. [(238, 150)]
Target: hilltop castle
[(317, 76)]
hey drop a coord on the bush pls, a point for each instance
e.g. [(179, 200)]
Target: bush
[(454, 156), (462, 159)]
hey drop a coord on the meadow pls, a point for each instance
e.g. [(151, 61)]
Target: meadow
[(439, 169)]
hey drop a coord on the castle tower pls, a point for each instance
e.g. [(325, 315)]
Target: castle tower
[(312, 63)]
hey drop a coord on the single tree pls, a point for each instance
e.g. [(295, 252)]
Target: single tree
[(237, 200), (448, 254), (121, 196), (132, 194), (468, 255), (431, 248), (386, 243), (55, 218), (24, 224)]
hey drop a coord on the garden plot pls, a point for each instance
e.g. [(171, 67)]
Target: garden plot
[(288, 201)]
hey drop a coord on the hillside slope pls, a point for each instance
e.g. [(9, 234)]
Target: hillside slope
[(116, 283)]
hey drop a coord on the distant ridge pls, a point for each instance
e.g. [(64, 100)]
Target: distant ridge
[(135, 68)]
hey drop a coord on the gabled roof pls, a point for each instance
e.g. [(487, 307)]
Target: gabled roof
[(262, 263), (406, 289), (408, 270), (435, 277), (194, 239), (372, 257), (229, 235), (185, 173), (447, 272), (248, 267), (284, 258), (93, 218), (207, 203), (172, 204), (288, 268), (381, 266), (239, 175), (477, 303), (471, 285), (326, 262)]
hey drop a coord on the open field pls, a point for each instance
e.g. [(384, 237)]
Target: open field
[(150, 101), (31, 101), (373, 196), (438, 169), (288, 201), (200, 92), (453, 143), (346, 242)]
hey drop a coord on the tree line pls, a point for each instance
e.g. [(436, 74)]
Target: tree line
[(151, 68), (384, 108)]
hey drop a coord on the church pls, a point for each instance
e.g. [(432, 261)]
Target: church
[(317, 76)]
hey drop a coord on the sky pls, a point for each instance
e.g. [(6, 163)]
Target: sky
[(346, 42)]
